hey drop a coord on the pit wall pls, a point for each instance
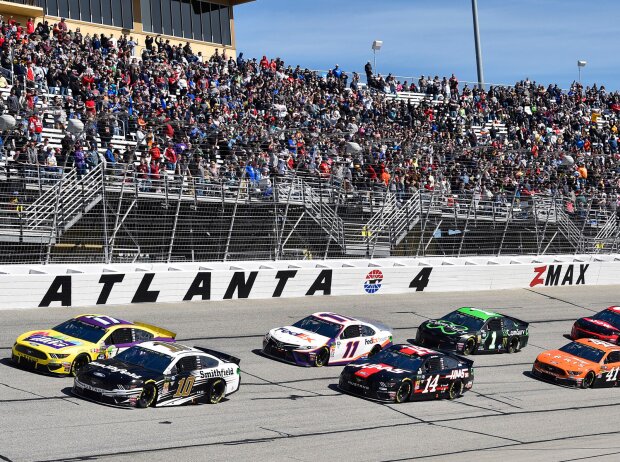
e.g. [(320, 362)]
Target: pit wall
[(25, 286)]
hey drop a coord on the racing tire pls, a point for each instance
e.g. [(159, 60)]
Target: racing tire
[(322, 357), (514, 345), (588, 380), (469, 347), (79, 363), (376, 349), (216, 391), (403, 392), (455, 389), (148, 397)]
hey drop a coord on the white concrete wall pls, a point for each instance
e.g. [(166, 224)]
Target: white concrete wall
[(24, 286)]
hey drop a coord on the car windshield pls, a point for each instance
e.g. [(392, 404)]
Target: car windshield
[(147, 359), (319, 326), (609, 316), (395, 358), (583, 351), (81, 330), (464, 320)]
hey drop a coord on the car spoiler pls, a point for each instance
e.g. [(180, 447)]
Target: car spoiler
[(160, 331), (220, 355), (524, 323)]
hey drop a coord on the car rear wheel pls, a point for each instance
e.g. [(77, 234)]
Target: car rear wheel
[(216, 391), (148, 397), (403, 392), (79, 363), (322, 357), (588, 380), (455, 389), (514, 345), (469, 347)]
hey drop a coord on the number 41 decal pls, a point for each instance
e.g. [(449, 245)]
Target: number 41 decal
[(613, 374)]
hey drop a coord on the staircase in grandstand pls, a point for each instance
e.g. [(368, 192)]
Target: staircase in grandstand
[(63, 205)]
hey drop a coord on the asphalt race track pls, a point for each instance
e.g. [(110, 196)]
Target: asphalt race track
[(284, 412)]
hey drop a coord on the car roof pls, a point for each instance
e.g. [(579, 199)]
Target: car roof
[(102, 320), (414, 351), (172, 349), (599, 344), (335, 317), (615, 309), (478, 313)]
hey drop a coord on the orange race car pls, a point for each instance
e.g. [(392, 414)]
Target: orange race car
[(584, 363)]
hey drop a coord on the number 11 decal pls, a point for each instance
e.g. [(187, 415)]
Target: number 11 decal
[(351, 349)]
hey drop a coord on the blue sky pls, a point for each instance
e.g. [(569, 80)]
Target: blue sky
[(539, 39)]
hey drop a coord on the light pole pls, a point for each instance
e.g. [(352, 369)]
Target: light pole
[(581, 64), (376, 46), (474, 10)]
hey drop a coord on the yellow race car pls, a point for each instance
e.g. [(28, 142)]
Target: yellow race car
[(72, 344)]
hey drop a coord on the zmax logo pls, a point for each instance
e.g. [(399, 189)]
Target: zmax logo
[(551, 275)]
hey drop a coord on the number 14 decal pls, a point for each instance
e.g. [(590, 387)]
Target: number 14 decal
[(351, 349), (431, 384)]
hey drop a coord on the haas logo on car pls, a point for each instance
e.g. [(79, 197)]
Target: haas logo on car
[(370, 369), (373, 281)]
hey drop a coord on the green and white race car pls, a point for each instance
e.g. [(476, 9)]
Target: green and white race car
[(471, 330)]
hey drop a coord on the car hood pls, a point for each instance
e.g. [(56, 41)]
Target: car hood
[(52, 341), (297, 336), (598, 323), (445, 328), (115, 371), (560, 359), (374, 370)]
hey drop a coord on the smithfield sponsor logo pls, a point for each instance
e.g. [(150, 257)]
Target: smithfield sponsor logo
[(216, 373), (373, 281), (51, 342), (553, 275), (118, 370)]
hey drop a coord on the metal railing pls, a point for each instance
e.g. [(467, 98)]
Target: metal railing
[(114, 213)]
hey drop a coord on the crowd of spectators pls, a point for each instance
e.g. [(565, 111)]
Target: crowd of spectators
[(221, 118)]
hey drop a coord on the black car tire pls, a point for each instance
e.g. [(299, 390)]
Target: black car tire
[(455, 389), (588, 380), (216, 391), (376, 349), (78, 363), (322, 357), (148, 397), (514, 345), (469, 347), (403, 392)]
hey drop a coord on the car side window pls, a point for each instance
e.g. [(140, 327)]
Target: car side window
[(613, 357), (119, 337), (367, 331), (187, 364), (207, 363), (351, 332), (509, 324), (449, 363), (142, 335), (494, 324), (433, 364)]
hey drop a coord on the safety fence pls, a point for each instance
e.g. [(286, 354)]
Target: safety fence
[(116, 213)]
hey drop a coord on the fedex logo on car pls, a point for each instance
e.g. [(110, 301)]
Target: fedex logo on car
[(299, 335), (549, 275)]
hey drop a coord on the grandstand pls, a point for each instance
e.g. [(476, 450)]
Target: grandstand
[(176, 159)]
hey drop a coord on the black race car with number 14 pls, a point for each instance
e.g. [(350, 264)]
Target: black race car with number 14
[(159, 374), (408, 373), (471, 330)]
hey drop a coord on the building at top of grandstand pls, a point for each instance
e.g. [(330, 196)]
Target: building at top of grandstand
[(206, 25)]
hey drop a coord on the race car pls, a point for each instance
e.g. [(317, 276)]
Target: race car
[(159, 374), (71, 345), (584, 363), (471, 330), (604, 325), (326, 338), (408, 373)]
